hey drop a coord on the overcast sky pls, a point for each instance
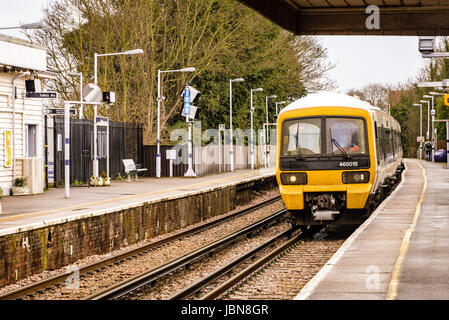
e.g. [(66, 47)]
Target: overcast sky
[(358, 60)]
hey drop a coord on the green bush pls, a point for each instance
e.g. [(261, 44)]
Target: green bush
[(19, 182)]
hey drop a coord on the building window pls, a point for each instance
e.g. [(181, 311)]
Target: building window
[(30, 140)]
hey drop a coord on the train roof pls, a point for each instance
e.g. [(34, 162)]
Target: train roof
[(329, 99)]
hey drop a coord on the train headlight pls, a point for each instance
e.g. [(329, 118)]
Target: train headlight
[(355, 176), (294, 178)]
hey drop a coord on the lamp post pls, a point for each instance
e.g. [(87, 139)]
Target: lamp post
[(79, 74), (433, 121), (231, 145), (267, 153), (277, 103), (159, 99), (95, 161), (428, 117), (432, 115), (420, 128), (252, 133)]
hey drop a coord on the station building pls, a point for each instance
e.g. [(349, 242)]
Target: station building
[(21, 118)]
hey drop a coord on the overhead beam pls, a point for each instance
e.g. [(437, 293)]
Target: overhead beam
[(393, 21), (399, 20)]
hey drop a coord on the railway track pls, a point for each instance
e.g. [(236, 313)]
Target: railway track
[(203, 283), (288, 248), (280, 274), (46, 284), (126, 287)]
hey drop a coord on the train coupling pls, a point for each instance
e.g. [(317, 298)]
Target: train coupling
[(325, 207), (324, 215)]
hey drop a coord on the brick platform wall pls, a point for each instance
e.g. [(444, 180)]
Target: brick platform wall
[(31, 252)]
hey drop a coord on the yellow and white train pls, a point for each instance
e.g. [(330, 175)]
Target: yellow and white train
[(338, 157)]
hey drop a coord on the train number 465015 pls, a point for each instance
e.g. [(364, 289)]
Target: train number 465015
[(348, 164)]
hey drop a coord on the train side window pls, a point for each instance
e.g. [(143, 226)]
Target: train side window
[(375, 126), (393, 142), (382, 141), (388, 142), (378, 144)]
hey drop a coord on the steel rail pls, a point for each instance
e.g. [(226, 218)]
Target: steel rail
[(125, 287), (27, 290), (243, 274), (195, 287)]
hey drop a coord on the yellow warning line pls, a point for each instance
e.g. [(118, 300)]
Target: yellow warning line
[(106, 201), (397, 268)]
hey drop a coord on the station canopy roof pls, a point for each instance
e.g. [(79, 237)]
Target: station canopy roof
[(348, 17), (21, 55)]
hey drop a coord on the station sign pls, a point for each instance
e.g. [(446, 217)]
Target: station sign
[(192, 112), (41, 95), (60, 111), (186, 110), (102, 121), (171, 154)]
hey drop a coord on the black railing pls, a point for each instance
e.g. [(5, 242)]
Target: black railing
[(125, 142)]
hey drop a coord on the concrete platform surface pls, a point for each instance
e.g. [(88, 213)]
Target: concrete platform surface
[(21, 213), (401, 251)]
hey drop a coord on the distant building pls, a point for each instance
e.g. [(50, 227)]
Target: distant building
[(21, 118)]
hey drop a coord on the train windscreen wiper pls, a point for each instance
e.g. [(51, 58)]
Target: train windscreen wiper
[(339, 147), (298, 145)]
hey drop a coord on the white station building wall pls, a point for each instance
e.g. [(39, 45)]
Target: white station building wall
[(18, 56)]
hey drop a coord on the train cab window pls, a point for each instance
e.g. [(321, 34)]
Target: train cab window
[(301, 137), (346, 134)]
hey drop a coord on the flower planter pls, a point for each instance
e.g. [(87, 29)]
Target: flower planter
[(19, 191), (107, 182)]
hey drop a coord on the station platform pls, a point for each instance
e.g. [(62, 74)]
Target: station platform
[(401, 251), (21, 213)]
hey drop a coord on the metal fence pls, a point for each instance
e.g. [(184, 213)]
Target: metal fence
[(125, 142), (207, 159), (149, 162)]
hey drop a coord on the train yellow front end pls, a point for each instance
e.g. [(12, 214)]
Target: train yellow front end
[(326, 163)]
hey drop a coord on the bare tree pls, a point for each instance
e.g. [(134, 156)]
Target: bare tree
[(216, 37)]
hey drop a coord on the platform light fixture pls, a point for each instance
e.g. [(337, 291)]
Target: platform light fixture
[(95, 160), (432, 114), (265, 128), (420, 128), (252, 131), (428, 117), (278, 103), (231, 145)]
